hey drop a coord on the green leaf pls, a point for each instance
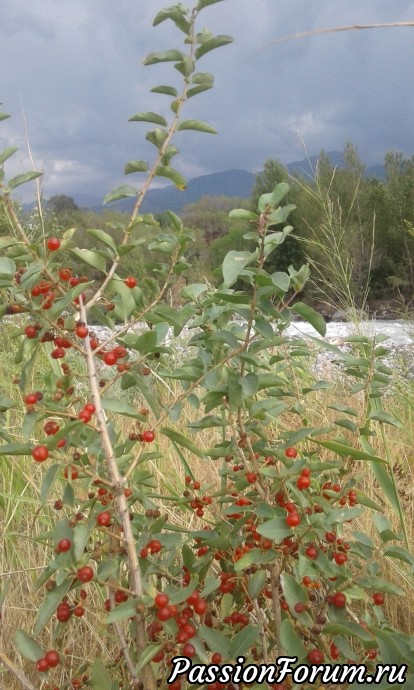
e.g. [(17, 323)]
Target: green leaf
[(91, 258), (294, 593), (250, 384), (347, 628), (185, 67), (281, 280), (243, 214), (275, 529), (203, 3), (384, 417), (311, 316), (100, 678), (122, 611), (167, 90), (183, 441), (136, 166), (212, 44), (399, 553), (254, 556), (121, 192), (196, 125), (164, 56), (149, 652), (4, 116), (48, 608), (23, 178), (173, 175), (291, 642), (244, 639), (157, 137), (27, 646), (149, 117), (195, 90), (387, 485), (6, 403), (348, 451), (121, 407), (48, 481), (4, 155), (102, 236), (233, 265), (215, 640), (177, 14), (256, 583), (7, 266), (15, 449)]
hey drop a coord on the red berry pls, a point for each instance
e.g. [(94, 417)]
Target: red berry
[(42, 666), (161, 600), (193, 597), (104, 519), (90, 407), (147, 436), (188, 650), (52, 657), (291, 452), (79, 611), (378, 599), (216, 658), (293, 520), (73, 472), (330, 537), (339, 600), (53, 244), (84, 416), (31, 399), (303, 482), (65, 274), (300, 607), (110, 358), (40, 453), (64, 545), (130, 281), (30, 332), (58, 353), (312, 552), (315, 656), (200, 606), (251, 477), (305, 472), (334, 651), (155, 546), (85, 574), (81, 331), (340, 558), (165, 613)]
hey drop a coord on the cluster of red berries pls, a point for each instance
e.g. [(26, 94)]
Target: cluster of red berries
[(153, 546), (50, 660)]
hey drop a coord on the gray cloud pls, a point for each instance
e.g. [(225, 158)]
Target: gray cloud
[(77, 69)]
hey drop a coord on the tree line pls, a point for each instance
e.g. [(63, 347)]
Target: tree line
[(356, 231)]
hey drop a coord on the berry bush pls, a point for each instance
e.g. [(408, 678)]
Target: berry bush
[(267, 561)]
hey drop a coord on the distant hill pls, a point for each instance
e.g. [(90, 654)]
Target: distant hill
[(227, 183)]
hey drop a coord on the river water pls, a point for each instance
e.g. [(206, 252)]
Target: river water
[(399, 332)]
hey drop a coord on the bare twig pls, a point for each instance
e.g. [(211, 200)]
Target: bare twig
[(335, 29), (16, 672)]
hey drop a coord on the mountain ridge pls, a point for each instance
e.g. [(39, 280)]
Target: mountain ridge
[(233, 182)]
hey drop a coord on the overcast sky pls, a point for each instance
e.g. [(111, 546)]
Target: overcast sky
[(75, 67)]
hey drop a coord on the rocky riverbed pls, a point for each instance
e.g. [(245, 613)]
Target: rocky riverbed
[(400, 342)]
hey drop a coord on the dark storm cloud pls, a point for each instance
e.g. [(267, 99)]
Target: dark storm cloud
[(76, 68)]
